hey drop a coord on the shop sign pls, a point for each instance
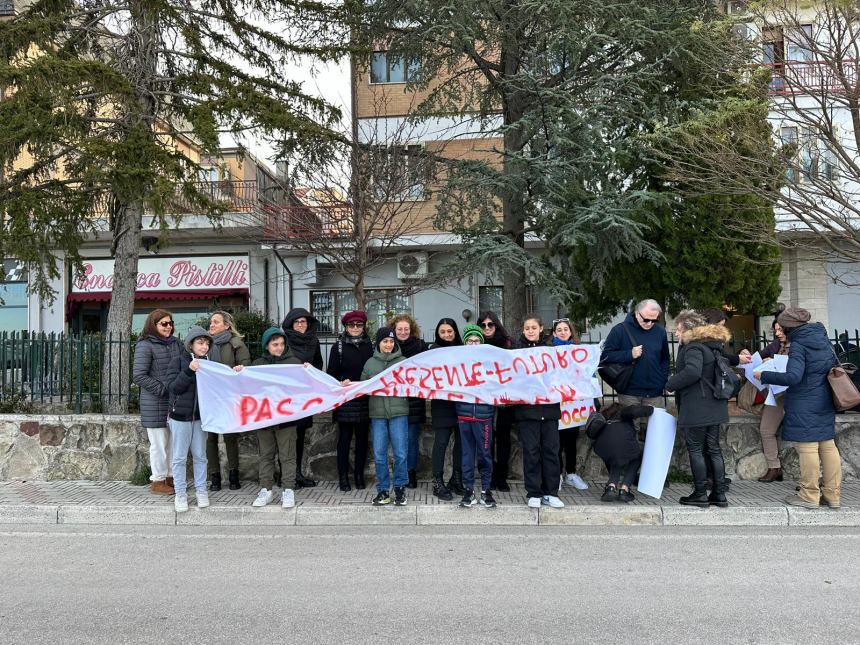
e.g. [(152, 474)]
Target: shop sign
[(198, 273)]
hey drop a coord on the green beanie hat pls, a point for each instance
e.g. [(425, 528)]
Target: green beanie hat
[(269, 334), (472, 330)]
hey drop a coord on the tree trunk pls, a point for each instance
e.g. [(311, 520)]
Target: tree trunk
[(116, 355)]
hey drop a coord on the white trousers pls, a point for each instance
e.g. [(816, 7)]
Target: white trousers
[(159, 454)]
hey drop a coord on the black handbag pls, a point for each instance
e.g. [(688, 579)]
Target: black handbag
[(618, 375)]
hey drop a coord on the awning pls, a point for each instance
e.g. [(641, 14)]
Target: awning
[(104, 296)]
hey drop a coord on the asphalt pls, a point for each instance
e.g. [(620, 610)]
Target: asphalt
[(415, 585)]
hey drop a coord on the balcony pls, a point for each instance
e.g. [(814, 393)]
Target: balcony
[(297, 222), (792, 78)]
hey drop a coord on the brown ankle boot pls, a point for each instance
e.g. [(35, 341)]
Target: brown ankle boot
[(161, 488), (169, 481), (772, 475)]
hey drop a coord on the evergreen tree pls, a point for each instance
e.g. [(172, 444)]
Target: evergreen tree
[(98, 94)]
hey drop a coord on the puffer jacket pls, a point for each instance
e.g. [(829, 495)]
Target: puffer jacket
[(694, 378), (384, 407), (346, 361), (152, 373), (543, 411), (809, 412)]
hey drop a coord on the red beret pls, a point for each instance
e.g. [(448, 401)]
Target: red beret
[(351, 316)]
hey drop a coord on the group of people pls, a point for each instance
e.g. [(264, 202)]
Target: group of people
[(804, 412), (481, 433)]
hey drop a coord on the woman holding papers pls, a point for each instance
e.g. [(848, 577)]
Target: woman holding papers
[(771, 416), (810, 417)]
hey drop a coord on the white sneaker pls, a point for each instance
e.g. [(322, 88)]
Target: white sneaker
[(202, 499), (180, 503), (560, 482), (263, 497), (534, 502), (288, 498), (551, 500), (576, 481)]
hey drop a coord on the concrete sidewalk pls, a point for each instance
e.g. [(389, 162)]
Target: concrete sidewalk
[(94, 502)]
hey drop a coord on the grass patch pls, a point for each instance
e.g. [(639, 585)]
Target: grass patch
[(141, 476), (678, 476)]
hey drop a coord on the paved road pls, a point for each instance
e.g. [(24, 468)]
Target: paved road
[(428, 584)]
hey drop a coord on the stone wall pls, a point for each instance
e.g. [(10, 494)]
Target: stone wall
[(100, 447)]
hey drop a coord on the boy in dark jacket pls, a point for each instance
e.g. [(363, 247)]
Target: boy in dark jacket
[(476, 436), (280, 438), (614, 439), (184, 419), (700, 412), (389, 421)]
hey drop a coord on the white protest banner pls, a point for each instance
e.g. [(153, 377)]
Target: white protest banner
[(258, 397), (575, 414), (659, 443)]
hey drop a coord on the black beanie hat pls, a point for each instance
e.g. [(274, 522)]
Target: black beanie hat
[(385, 332)]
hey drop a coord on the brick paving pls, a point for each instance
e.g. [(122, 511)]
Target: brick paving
[(114, 493)]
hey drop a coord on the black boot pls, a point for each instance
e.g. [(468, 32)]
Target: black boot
[(215, 481), (359, 480), (304, 482), (718, 499), (440, 490), (234, 479), (699, 497), (413, 480), (455, 484), (344, 483)]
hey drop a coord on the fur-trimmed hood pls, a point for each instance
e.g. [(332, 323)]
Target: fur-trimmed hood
[(708, 334)]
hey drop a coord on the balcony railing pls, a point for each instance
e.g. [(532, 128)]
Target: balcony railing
[(813, 77), (284, 223)]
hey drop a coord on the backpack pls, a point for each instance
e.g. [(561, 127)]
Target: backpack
[(726, 383)]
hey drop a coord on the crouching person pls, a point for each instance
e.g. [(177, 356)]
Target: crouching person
[(613, 435), (186, 430), (476, 437), (280, 439), (389, 423)]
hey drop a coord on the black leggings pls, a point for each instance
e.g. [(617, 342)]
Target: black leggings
[(440, 447), (567, 449), (345, 431), (502, 442), (630, 470)]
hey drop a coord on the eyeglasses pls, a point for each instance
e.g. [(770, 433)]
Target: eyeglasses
[(487, 325), (169, 323), (355, 324), (647, 320)]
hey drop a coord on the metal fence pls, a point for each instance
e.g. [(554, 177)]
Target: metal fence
[(66, 369)]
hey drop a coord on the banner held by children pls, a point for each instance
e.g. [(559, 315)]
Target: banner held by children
[(258, 397), (576, 413)]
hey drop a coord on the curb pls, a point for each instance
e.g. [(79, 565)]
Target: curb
[(428, 515)]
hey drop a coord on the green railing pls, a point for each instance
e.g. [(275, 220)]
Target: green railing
[(66, 369)]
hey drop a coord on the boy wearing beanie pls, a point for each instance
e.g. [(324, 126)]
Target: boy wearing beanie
[(476, 437), (186, 429), (389, 422), (280, 438)]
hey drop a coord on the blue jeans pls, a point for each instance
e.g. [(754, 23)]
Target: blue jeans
[(476, 440), (185, 435), (394, 431), (414, 441)]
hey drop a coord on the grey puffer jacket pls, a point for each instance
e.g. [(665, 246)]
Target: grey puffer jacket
[(152, 373)]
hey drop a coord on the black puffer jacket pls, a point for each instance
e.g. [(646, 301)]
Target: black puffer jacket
[(346, 361), (693, 381), (417, 406), (543, 411), (305, 346), (153, 365), (615, 440)]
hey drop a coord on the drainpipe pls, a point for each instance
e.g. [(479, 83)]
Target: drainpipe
[(289, 278), (266, 285)]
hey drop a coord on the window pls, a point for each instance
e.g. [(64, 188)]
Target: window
[(386, 68), (814, 159), (400, 172), (797, 47), (491, 299), (329, 306)]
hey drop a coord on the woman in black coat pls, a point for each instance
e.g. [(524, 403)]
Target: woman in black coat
[(301, 331), (345, 363), (496, 335), (443, 417), (409, 339)]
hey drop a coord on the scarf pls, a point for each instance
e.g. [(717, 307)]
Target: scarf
[(558, 341), (304, 345), (411, 346), (498, 341), (354, 340), (218, 340)]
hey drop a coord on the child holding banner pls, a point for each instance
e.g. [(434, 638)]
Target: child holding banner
[(564, 333), (186, 430), (476, 436), (443, 416), (389, 422), (538, 427)]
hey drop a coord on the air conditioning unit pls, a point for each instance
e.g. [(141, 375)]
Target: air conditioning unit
[(737, 7), (412, 265)]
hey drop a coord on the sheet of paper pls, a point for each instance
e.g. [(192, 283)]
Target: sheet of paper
[(752, 367), (659, 444), (771, 399)]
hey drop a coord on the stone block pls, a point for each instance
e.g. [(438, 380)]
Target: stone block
[(211, 516), (845, 516), (25, 459), (364, 514), (120, 461), (77, 464), (28, 514), (124, 433), (89, 435), (602, 516), (752, 466), (519, 515), (128, 514), (51, 434), (30, 428), (731, 516)]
